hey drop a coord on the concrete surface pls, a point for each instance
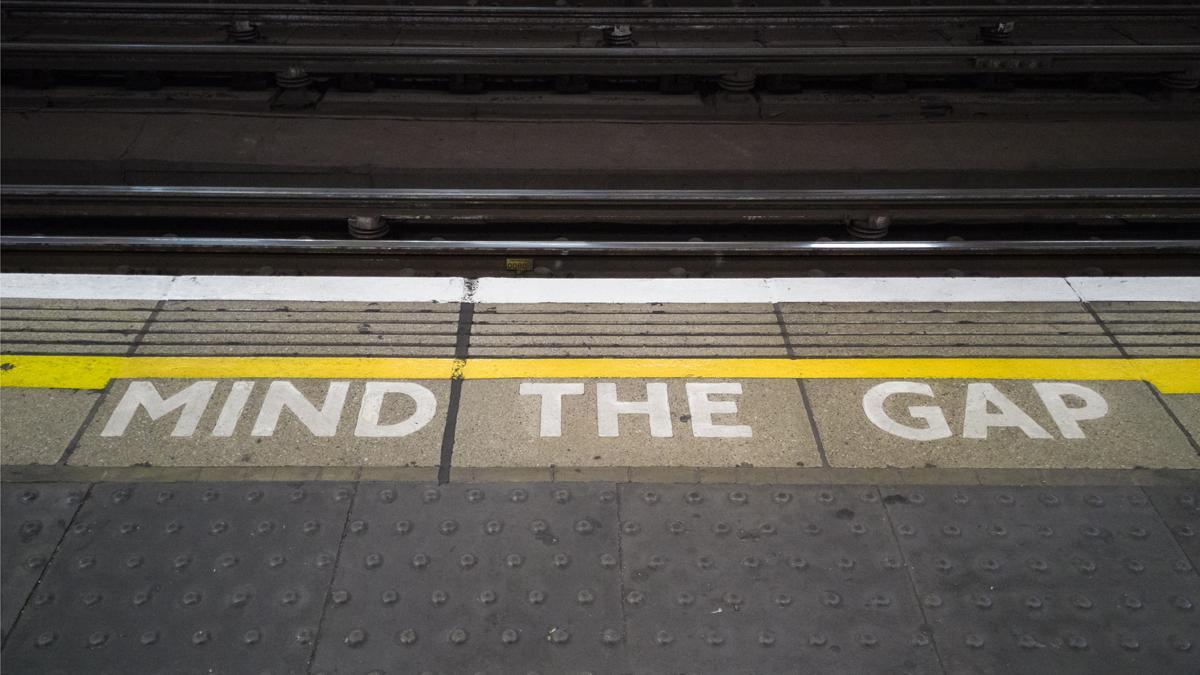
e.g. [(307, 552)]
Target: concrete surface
[(1187, 410), (37, 425), (292, 444), (1136, 432), (498, 426)]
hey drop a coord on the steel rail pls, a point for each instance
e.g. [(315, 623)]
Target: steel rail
[(812, 13), (474, 206), (525, 60), (594, 248)]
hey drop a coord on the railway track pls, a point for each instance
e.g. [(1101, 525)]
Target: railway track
[(734, 45), (450, 207), (524, 13), (762, 232)]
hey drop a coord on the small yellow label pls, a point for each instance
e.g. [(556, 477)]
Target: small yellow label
[(518, 264)]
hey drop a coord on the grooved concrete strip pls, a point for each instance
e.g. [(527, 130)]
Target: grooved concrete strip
[(183, 327), (604, 578)]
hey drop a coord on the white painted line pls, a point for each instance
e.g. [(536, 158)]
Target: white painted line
[(330, 289), (633, 291), (118, 287), (847, 289), (84, 286), (502, 290), (922, 289), (1116, 289)]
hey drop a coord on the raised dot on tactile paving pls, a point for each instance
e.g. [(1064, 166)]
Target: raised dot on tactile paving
[(474, 496), (356, 637), (439, 598), (510, 636), (585, 597), (406, 637), (610, 636)]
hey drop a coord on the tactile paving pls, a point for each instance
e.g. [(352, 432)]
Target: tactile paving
[(1050, 580), (185, 578), (35, 516), (736, 579), (599, 578), (1180, 509), (477, 578)]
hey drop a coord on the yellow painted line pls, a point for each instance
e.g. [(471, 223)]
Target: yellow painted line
[(93, 372), (1170, 376)]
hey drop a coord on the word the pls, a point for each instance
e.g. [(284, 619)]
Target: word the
[(657, 407)]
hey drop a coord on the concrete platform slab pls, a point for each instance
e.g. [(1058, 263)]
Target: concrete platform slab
[(956, 423), (37, 425), (1186, 408), (267, 423), (763, 425)]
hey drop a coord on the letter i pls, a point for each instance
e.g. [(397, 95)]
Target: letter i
[(231, 412)]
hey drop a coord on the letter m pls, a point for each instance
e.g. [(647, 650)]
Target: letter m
[(193, 399)]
